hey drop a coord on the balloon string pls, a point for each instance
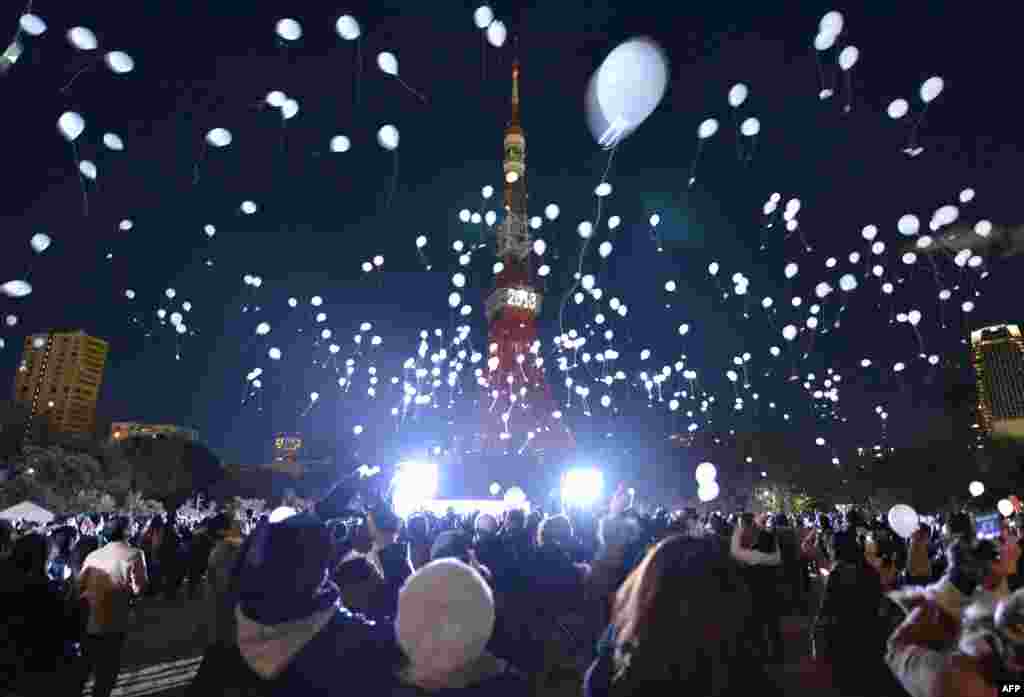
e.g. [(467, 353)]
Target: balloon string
[(359, 68), (912, 143), (199, 162), (849, 93), (394, 184), (81, 179), (821, 72), (586, 243), (88, 67), (693, 165), (411, 90)]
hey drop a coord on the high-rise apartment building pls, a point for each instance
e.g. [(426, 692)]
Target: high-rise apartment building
[(999, 367), (59, 379), (121, 430)]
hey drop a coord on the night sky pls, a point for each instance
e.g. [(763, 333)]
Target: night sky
[(322, 214)]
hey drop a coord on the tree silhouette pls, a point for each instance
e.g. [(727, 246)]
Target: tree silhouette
[(166, 469)]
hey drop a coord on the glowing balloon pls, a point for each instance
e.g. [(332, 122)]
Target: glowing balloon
[(551, 211), (713, 268), (120, 62), (903, 520), (983, 228), (831, 23), (789, 332), (32, 24), (454, 300), (603, 189), (289, 30), (708, 492), (684, 329), (71, 124), (791, 270), (387, 62), (705, 473), (276, 99), (670, 286), (387, 137), (490, 218), (16, 289), (823, 42), (931, 88), (113, 141), (219, 137), (497, 33), (347, 28), (750, 127), (613, 222), (421, 242), (539, 247), (83, 39), (738, 94), (626, 89), (976, 489), (908, 225), (340, 144), (483, 17), (249, 207), (40, 242), (848, 57), (848, 282), (898, 108), (289, 109), (1005, 507), (707, 128), (869, 232), (605, 249), (967, 195)]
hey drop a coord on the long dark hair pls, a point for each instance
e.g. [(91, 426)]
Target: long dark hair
[(680, 617)]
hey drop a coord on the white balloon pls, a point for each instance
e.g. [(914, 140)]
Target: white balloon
[(903, 520), (490, 217), (613, 222), (40, 242), (289, 109), (914, 317), (497, 33), (88, 169), (684, 329), (709, 492), (848, 57), (705, 473), (707, 128), (738, 94), (1005, 507), (831, 23), (544, 270), (348, 28), (931, 88), (16, 289), (219, 137), (823, 42), (387, 137), (387, 62), (629, 86), (967, 195), (32, 25), (750, 127), (289, 30), (603, 189), (340, 144), (83, 39), (276, 99), (248, 207), (483, 17), (789, 332), (898, 108), (791, 270), (71, 124), (539, 247), (551, 211), (976, 489), (454, 300), (120, 62), (605, 249), (908, 225), (869, 232), (848, 282), (113, 141), (983, 228), (713, 268)]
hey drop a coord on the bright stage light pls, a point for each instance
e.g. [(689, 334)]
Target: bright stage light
[(708, 491), (495, 488), (582, 487), (281, 513), (705, 473), (413, 485)]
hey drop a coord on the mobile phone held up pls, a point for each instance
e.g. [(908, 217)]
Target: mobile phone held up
[(988, 526)]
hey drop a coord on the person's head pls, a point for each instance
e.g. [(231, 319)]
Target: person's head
[(384, 526), (515, 519), (418, 528), (555, 530), (960, 525), (996, 631), (824, 522), (923, 532), (116, 528), (485, 525), (617, 532), (780, 520), (451, 544), (31, 554), (445, 619), (684, 608)]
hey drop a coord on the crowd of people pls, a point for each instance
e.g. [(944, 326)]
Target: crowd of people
[(321, 601)]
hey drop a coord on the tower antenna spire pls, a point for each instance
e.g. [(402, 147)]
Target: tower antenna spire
[(515, 84)]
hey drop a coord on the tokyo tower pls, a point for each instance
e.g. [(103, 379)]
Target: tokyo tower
[(519, 413)]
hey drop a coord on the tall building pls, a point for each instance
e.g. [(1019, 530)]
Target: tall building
[(287, 447), (518, 410), (119, 430), (59, 379), (999, 367)]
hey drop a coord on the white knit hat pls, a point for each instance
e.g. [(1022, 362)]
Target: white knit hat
[(445, 618)]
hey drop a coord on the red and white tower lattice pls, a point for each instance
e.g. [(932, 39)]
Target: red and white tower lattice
[(518, 410)]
